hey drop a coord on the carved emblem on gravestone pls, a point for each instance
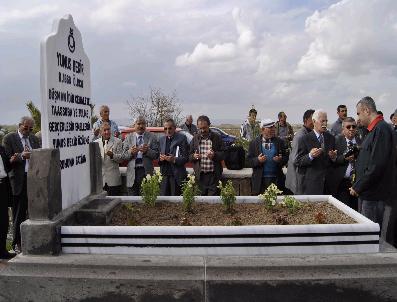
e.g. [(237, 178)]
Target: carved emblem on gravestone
[(71, 42)]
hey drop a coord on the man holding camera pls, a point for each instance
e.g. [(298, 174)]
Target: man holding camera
[(343, 174)]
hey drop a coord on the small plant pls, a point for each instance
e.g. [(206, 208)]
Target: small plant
[(184, 221), (282, 219), (291, 203), (130, 211), (321, 217), (189, 191), (236, 222), (150, 188), (228, 195), (270, 196)]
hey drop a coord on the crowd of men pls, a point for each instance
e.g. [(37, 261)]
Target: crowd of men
[(354, 160)]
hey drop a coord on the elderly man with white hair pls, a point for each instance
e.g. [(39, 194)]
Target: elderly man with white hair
[(316, 155), (267, 154), (104, 113)]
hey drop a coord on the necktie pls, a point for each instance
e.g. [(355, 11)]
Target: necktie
[(352, 164), (321, 140), (140, 142), (26, 144), (105, 148)]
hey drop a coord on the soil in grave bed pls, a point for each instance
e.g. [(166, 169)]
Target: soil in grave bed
[(172, 214)]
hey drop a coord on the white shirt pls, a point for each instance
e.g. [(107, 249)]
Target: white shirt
[(3, 173), (26, 146), (140, 154)]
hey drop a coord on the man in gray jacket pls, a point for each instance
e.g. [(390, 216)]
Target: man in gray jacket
[(295, 175), (140, 148)]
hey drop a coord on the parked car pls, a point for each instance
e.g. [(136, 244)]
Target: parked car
[(228, 139), (158, 132)]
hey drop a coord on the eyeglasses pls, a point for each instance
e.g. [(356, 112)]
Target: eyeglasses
[(27, 128), (351, 127), (169, 128)]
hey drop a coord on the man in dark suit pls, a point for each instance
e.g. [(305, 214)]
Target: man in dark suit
[(189, 126), (5, 201), (294, 177), (173, 156), (375, 165), (19, 145), (206, 153), (267, 155), (343, 172), (316, 154)]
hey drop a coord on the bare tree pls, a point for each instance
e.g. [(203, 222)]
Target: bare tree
[(156, 107)]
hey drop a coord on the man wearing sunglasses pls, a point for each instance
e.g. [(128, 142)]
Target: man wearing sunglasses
[(343, 173), (18, 146), (336, 127), (267, 154), (173, 157)]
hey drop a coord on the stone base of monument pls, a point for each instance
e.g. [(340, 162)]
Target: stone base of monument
[(359, 237), (325, 278), (96, 212)]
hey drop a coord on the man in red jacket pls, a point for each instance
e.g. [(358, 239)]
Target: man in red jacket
[(375, 165)]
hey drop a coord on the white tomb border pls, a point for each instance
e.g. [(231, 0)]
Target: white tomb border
[(65, 106)]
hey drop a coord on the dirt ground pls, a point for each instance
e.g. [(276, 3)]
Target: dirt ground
[(172, 214)]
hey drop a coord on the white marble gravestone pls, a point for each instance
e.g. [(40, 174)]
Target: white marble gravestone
[(65, 106)]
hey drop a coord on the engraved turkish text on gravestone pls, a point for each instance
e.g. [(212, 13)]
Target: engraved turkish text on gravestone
[(66, 111)]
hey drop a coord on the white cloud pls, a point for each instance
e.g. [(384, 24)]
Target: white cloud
[(351, 36), (203, 53), (277, 55), (8, 16), (220, 52)]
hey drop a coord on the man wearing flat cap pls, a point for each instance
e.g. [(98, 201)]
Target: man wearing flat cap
[(267, 155)]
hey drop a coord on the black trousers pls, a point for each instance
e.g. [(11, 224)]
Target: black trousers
[(169, 186), (112, 190), (19, 212), (208, 184), (135, 190), (4, 201), (343, 194)]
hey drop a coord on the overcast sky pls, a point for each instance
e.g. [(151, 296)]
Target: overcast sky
[(221, 57)]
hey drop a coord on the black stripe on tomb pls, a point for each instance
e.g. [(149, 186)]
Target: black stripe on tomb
[(166, 245), (219, 235)]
